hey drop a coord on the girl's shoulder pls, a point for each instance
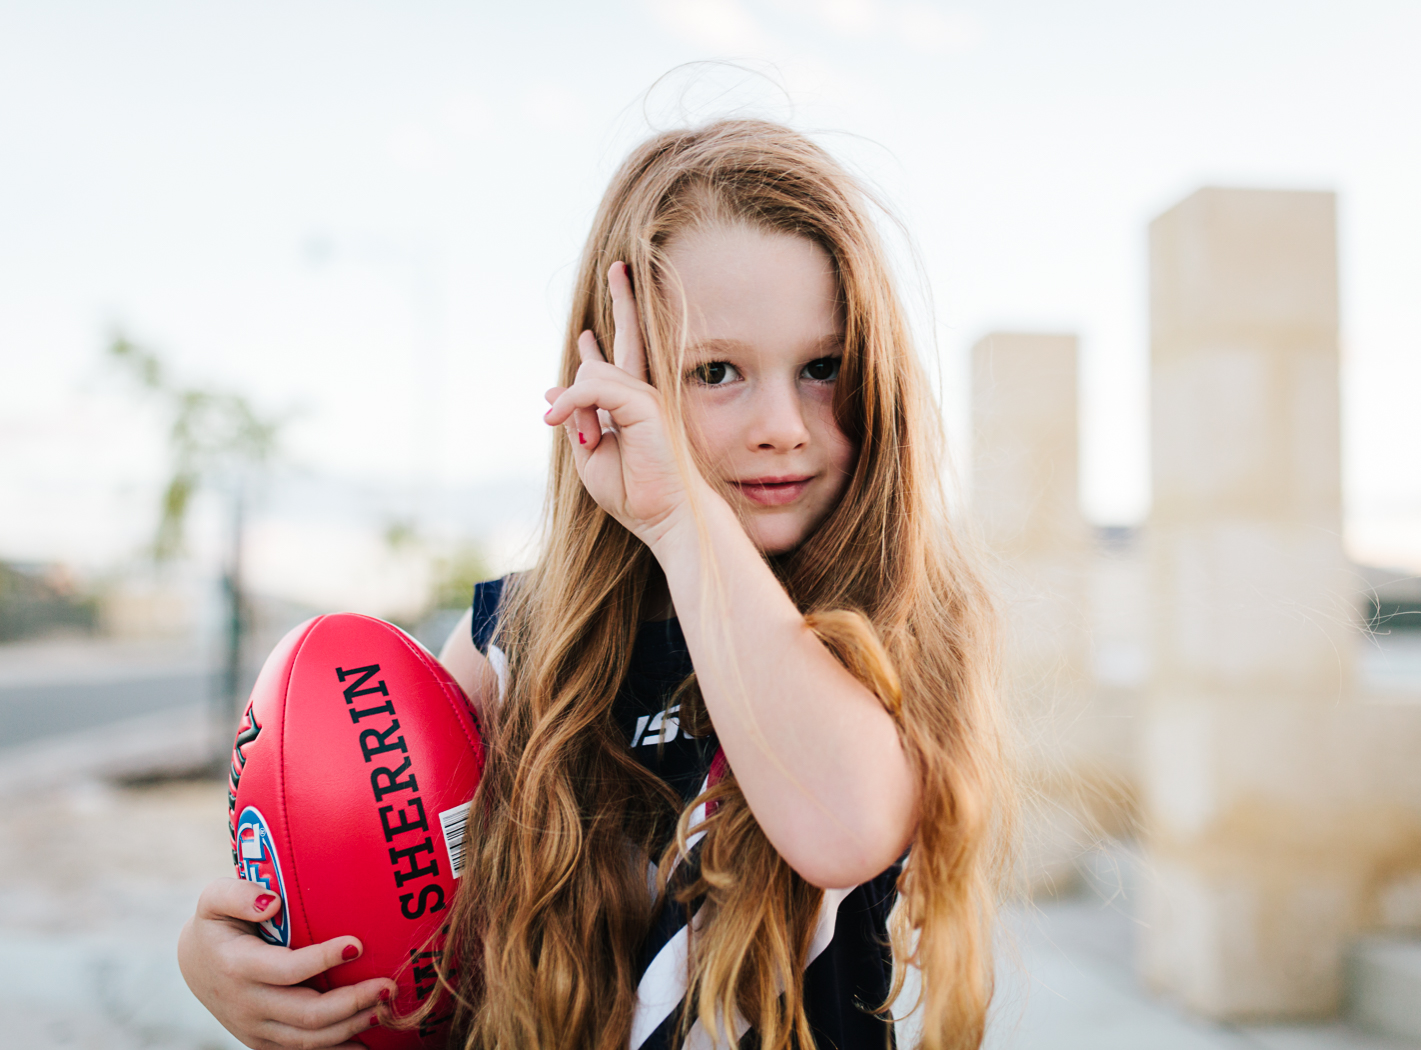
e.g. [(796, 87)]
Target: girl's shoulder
[(487, 596)]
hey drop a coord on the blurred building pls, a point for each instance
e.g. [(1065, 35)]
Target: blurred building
[(42, 598), (1196, 686)]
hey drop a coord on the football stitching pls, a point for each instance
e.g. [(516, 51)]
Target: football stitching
[(457, 708), (281, 792), (237, 766)]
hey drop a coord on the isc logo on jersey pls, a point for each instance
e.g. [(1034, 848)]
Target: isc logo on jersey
[(662, 727), (258, 862)]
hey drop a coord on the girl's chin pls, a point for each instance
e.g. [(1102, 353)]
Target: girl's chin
[(776, 537)]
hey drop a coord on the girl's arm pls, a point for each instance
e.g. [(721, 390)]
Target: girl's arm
[(469, 667), (817, 756)]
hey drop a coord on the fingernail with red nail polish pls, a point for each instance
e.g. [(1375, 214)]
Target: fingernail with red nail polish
[(580, 438), (374, 1020), (263, 902), (349, 952)]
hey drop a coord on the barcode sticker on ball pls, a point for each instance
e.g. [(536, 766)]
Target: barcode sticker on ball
[(453, 821)]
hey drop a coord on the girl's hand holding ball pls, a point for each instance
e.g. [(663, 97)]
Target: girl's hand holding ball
[(256, 989)]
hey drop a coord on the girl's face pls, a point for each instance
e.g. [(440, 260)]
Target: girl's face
[(765, 335)]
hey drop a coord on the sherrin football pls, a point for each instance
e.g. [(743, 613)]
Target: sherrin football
[(352, 771)]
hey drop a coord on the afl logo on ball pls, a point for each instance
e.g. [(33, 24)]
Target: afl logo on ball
[(257, 862)]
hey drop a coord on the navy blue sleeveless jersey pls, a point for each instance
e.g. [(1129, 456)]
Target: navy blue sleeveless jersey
[(850, 967)]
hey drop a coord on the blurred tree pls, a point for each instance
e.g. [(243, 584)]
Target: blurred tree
[(215, 439), (401, 534), (455, 576)]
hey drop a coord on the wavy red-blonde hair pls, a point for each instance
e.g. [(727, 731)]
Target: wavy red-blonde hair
[(551, 914)]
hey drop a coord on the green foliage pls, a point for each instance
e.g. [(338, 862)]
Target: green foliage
[(146, 367), (212, 434), (455, 576), (401, 533)]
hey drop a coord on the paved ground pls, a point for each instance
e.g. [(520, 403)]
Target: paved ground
[(1074, 989), (96, 880)]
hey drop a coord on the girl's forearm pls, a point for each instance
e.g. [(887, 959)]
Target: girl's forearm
[(818, 757)]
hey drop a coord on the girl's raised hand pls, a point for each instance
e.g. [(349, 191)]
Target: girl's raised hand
[(629, 469)]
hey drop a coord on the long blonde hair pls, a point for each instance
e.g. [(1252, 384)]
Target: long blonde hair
[(553, 905)]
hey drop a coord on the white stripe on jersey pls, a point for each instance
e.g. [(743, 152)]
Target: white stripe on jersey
[(499, 663), (663, 985), (662, 988)]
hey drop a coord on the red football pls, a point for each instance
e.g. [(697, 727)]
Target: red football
[(352, 771)]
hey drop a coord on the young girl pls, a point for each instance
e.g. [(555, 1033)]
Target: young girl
[(743, 702)]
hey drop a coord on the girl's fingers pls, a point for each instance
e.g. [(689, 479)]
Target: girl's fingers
[(628, 353), (587, 430), (588, 349), (609, 389), (588, 409), (603, 386), (313, 1011), (335, 1035), (236, 899), (272, 965)]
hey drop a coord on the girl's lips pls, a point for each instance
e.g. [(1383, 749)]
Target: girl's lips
[(773, 492)]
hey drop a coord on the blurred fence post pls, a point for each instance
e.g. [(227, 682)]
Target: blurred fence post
[(228, 698), (1275, 803), (1026, 501)]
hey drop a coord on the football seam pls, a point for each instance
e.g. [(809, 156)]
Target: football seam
[(320, 978), (461, 707)]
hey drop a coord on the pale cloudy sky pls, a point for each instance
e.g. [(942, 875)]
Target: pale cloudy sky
[(365, 213)]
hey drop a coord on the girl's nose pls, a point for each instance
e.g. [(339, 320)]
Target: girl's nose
[(778, 423)]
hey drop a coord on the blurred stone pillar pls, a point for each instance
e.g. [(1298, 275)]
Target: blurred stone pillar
[(1250, 825), (1025, 498)]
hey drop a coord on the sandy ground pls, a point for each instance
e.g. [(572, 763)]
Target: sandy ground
[(95, 882)]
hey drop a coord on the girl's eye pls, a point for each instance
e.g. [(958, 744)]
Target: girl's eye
[(714, 373), (823, 369)]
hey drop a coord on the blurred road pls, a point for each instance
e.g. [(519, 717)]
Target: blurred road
[(56, 687), (33, 712)]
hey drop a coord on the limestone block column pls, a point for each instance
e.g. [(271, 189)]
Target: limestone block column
[(1024, 449), (1025, 499), (1260, 832)]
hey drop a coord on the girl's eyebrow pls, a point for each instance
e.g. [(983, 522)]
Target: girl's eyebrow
[(710, 347)]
